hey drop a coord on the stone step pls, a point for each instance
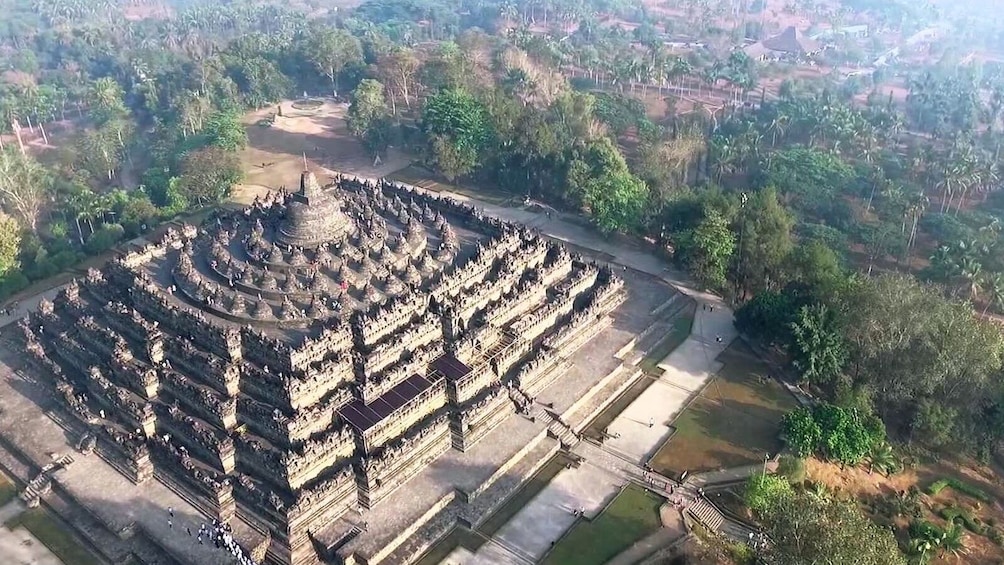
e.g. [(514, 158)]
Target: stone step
[(706, 514)]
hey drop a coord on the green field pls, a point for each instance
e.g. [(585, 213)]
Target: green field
[(55, 535), (631, 516), (8, 491), (734, 422)]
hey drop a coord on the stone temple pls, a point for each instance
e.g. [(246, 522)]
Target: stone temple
[(306, 357)]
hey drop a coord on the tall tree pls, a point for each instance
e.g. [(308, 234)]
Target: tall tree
[(208, 174), (708, 248), (10, 243), (367, 116), (765, 240), (24, 186), (459, 131), (818, 349), (332, 50), (809, 530), (399, 71)]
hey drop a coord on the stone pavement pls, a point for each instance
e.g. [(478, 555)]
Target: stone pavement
[(28, 305), (119, 504), (534, 529), (647, 422)]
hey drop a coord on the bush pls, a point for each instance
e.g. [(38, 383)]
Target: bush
[(956, 515), (792, 468), (840, 434), (104, 238), (13, 282), (801, 432), (764, 491), (995, 535), (958, 486)]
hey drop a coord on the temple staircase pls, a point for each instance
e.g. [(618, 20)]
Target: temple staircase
[(537, 412), (555, 427), (705, 513), (42, 483)]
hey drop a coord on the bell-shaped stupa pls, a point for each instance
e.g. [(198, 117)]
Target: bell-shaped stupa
[(313, 217)]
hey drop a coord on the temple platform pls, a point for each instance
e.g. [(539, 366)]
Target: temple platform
[(467, 487), (123, 509)]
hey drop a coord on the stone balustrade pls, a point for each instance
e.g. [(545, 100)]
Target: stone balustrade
[(380, 474), (388, 318), (208, 442), (138, 414), (317, 417), (208, 404), (208, 486), (310, 458), (205, 367), (426, 329)]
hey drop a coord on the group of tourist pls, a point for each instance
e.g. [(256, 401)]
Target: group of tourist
[(221, 534), (10, 309)]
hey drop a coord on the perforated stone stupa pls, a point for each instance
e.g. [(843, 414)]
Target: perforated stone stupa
[(313, 217), (309, 355)]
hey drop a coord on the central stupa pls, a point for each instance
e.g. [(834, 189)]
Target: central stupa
[(313, 217)]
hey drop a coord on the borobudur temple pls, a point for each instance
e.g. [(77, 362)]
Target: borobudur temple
[(308, 355)]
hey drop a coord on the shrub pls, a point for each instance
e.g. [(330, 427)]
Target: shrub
[(764, 491), (801, 432), (995, 536), (959, 486), (956, 515), (104, 238), (791, 467)]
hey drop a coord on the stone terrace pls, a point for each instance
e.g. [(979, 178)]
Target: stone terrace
[(292, 434)]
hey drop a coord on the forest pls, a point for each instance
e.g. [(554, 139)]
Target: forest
[(856, 231)]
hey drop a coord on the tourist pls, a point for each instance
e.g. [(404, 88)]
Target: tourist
[(170, 509), (651, 422)]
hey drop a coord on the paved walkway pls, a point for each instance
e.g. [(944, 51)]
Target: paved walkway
[(647, 422), (28, 305)]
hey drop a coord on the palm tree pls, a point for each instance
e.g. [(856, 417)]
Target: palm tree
[(970, 272), (882, 459), (953, 541), (994, 284)]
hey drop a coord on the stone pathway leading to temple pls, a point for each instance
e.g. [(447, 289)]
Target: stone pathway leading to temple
[(28, 305), (647, 422)]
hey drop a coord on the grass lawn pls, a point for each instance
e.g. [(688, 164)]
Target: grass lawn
[(733, 423), (631, 516), (523, 496), (55, 535), (458, 537), (8, 491)]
